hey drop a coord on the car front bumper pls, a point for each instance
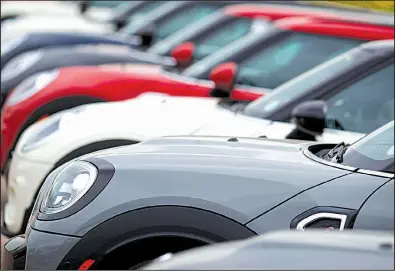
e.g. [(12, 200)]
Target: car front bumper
[(24, 180), (44, 251)]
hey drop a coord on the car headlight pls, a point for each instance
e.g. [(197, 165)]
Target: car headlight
[(8, 45), (19, 64), (69, 185), (31, 86)]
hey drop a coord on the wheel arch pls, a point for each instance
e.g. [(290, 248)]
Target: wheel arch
[(96, 146), (149, 222)]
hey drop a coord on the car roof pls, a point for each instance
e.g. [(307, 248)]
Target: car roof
[(335, 28), (379, 47), (275, 11)]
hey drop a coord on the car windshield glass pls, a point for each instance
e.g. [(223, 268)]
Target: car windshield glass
[(274, 65), (374, 151), (141, 10), (107, 4), (290, 57), (222, 36), (182, 18), (297, 87)]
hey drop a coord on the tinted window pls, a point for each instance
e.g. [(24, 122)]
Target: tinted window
[(182, 18), (142, 10), (365, 105), (110, 4), (221, 36), (373, 152), (290, 57), (300, 85)]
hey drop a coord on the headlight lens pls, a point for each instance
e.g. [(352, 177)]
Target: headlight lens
[(31, 86), (70, 184), (19, 64), (8, 45)]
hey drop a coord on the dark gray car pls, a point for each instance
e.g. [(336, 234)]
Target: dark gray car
[(122, 207), (290, 250)]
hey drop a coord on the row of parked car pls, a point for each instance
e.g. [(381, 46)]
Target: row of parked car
[(131, 130)]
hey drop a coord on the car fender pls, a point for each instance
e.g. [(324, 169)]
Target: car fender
[(147, 222), (53, 107)]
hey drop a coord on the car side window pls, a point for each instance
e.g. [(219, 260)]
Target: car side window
[(297, 53), (183, 17), (365, 105)]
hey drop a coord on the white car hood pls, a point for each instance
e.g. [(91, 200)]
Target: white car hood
[(149, 115), (153, 115), (53, 23), (11, 8)]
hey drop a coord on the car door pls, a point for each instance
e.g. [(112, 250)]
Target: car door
[(362, 105)]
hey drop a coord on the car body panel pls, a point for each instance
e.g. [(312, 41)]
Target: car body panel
[(50, 23), (86, 55), (60, 245), (17, 8), (212, 163), (348, 192), (376, 215)]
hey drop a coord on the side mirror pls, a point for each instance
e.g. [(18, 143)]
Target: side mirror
[(147, 35), (183, 54), (223, 76), (310, 120), (83, 6), (119, 23)]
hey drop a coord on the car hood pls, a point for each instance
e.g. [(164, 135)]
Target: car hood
[(153, 114), (239, 179), (50, 23)]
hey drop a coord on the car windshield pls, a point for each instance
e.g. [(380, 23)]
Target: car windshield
[(141, 10), (270, 66), (106, 4), (209, 35), (374, 151), (297, 87), (174, 21)]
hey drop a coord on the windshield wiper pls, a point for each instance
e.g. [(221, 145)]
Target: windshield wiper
[(337, 152)]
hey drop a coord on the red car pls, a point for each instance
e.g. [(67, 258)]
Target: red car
[(262, 62)]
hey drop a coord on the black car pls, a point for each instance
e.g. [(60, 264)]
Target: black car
[(290, 250), (122, 207)]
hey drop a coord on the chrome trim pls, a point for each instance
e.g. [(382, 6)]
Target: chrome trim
[(310, 155), (300, 226), (376, 173)]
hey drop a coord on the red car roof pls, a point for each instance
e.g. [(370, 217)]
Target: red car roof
[(278, 12), (336, 28)]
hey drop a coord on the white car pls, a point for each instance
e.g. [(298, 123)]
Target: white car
[(49, 17)]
